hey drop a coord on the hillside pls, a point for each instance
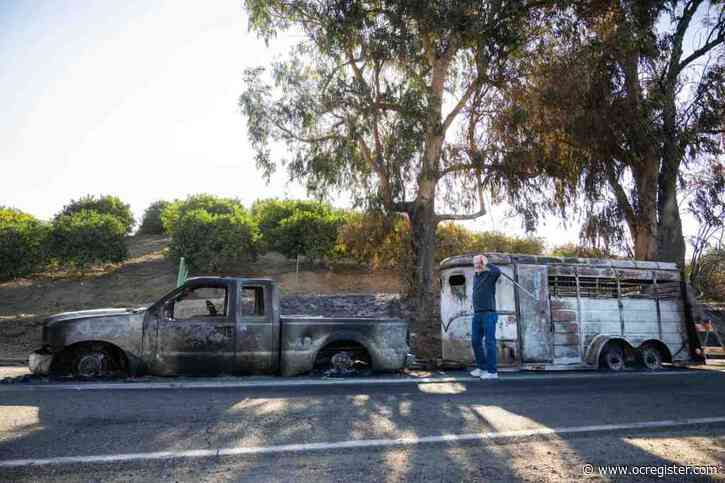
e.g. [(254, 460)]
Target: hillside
[(147, 275)]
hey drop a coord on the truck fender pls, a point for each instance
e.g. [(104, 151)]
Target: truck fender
[(344, 335)]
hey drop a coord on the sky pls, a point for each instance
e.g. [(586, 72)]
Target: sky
[(139, 99)]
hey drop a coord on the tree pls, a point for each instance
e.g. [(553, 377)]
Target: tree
[(108, 204), (369, 101), (607, 97), (707, 205)]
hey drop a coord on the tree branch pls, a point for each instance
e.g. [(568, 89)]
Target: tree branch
[(471, 216), (309, 140), (621, 196)]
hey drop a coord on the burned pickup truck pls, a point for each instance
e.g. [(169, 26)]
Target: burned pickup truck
[(215, 325)]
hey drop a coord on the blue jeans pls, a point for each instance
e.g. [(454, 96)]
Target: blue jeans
[(484, 325)]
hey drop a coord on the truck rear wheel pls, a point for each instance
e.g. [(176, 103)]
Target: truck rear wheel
[(342, 358)]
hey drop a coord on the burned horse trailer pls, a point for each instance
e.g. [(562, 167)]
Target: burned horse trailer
[(573, 312)]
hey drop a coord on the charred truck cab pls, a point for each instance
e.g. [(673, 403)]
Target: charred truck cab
[(579, 313), (215, 325)]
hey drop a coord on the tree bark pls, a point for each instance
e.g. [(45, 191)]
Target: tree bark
[(670, 239), (644, 231)]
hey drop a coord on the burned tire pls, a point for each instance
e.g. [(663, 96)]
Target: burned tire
[(95, 361), (612, 358), (651, 357), (343, 359)]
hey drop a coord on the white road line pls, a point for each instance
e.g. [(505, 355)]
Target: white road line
[(282, 383), (353, 444)]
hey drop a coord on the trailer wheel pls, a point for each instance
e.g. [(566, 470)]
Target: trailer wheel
[(612, 357), (651, 357)]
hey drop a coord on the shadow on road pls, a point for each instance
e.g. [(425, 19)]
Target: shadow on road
[(66, 423)]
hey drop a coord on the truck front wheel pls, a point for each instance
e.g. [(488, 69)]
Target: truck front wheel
[(95, 361)]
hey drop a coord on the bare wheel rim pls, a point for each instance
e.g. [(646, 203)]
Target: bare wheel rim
[(342, 361), (614, 359), (92, 364), (651, 358)]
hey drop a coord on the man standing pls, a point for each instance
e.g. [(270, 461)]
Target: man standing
[(484, 317)]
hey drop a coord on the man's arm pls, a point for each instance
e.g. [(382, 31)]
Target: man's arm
[(495, 271)]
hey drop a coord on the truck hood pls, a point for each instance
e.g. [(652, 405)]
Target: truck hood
[(88, 314)]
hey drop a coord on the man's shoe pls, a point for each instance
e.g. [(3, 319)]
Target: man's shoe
[(489, 375), (477, 373)]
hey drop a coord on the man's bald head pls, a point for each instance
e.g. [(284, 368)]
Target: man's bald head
[(479, 263)]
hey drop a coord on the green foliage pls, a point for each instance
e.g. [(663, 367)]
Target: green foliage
[(298, 227), (86, 237), (376, 240), (573, 250), (23, 243), (151, 222), (385, 242), (211, 204), (211, 241), (493, 241), (107, 204), (710, 279)]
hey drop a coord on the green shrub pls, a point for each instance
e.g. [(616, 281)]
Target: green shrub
[(306, 233), (86, 237), (297, 227), (23, 243), (151, 222), (374, 239), (110, 205), (573, 250), (214, 205), (384, 241), (213, 241), (710, 279)]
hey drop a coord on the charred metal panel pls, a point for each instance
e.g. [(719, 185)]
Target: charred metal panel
[(640, 318), (303, 337), (674, 333), (120, 327), (566, 330), (201, 346), (599, 317), (535, 322)]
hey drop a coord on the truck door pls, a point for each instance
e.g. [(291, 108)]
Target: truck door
[(258, 329), (534, 314), (196, 331)]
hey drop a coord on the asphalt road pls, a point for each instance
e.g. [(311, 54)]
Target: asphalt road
[(543, 428)]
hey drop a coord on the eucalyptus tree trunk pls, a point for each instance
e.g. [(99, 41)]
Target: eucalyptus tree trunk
[(426, 322), (670, 239), (644, 231)]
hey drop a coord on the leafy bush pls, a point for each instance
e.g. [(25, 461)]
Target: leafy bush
[(151, 221), (110, 205), (307, 233), (384, 242), (213, 241), (87, 237), (377, 240), (214, 205), (297, 227), (494, 241), (572, 250), (710, 279), (23, 243)]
